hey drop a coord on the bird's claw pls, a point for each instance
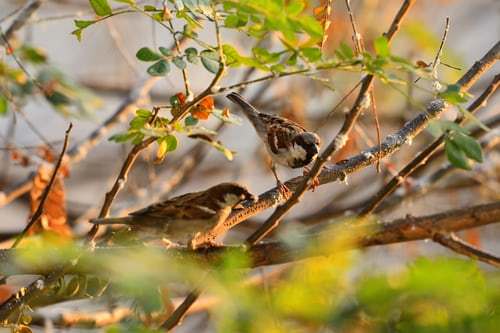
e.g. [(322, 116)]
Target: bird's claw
[(283, 190), (315, 181)]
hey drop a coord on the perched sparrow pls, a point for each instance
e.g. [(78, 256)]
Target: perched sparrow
[(188, 217), (287, 142)]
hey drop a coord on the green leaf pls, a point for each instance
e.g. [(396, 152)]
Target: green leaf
[(128, 2), (165, 51), (174, 101), (143, 113), (381, 45), (312, 54), (455, 155), (146, 54), (33, 54), (447, 125), (311, 26), (344, 52), (138, 123), (101, 7), (192, 55), (171, 142), (78, 34), (58, 98), (3, 105), (181, 64), (295, 7), (264, 56), (453, 95), (166, 144), (149, 8), (235, 21), (190, 121), (160, 68), (292, 60), (137, 138), (469, 145), (210, 60), (82, 24), (121, 137), (278, 68)]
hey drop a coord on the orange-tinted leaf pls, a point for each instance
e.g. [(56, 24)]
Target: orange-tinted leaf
[(200, 114), (225, 112), (203, 109), (45, 153), (207, 103), (322, 13), (54, 211), (181, 97)]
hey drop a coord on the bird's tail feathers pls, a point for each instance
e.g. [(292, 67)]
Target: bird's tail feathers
[(250, 111), (114, 220)]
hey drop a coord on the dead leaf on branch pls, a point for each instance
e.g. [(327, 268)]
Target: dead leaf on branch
[(203, 109), (322, 13), (54, 217)]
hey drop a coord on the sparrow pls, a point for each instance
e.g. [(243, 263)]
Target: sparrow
[(287, 142), (186, 218)]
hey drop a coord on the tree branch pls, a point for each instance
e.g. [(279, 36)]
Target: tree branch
[(421, 158), (337, 143), (24, 15), (375, 233), (454, 243)]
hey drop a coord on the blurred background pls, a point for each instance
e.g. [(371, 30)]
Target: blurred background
[(103, 70)]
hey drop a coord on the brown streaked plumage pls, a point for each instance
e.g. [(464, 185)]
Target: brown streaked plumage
[(187, 217), (287, 142)]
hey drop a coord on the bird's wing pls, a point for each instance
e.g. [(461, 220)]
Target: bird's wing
[(281, 135), (184, 207)]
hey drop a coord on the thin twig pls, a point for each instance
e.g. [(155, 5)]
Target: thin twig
[(456, 244), (338, 142), (360, 48), (24, 15), (39, 210), (437, 58), (358, 39), (179, 313), (421, 158), (184, 71)]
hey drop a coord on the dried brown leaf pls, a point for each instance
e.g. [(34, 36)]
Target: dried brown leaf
[(54, 216), (323, 14)]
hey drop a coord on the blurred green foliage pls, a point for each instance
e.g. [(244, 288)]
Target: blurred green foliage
[(326, 294)]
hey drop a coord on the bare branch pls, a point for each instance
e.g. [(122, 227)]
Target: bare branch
[(454, 243), (375, 233), (421, 158), (24, 15)]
